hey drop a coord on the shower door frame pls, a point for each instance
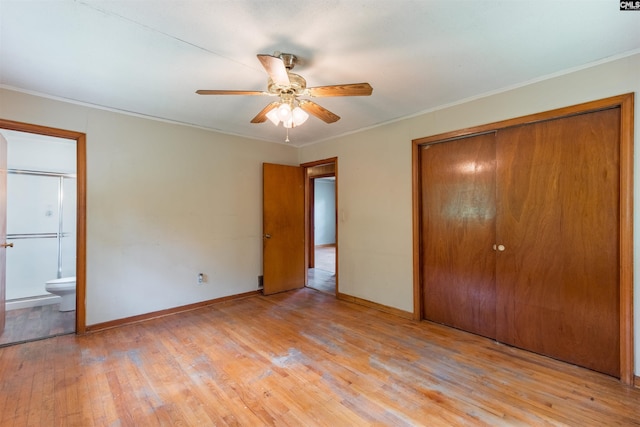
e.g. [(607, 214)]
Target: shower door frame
[(81, 188), (58, 235)]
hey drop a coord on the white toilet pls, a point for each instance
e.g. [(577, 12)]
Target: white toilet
[(66, 289)]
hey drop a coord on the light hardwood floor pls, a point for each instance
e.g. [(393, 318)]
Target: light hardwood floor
[(321, 280), (325, 258), (300, 358)]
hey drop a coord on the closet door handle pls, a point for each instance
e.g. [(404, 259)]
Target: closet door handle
[(7, 245), (500, 248)]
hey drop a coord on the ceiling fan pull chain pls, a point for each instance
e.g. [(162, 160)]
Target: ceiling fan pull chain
[(287, 140)]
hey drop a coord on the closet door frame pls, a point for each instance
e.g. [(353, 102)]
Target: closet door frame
[(625, 103)]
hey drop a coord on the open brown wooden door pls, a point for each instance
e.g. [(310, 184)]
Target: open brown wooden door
[(3, 227), (283, 266)]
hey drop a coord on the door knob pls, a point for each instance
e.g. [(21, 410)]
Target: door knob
[(267, 236), (7, 245)]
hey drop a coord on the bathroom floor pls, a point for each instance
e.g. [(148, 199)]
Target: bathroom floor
[(28, 324)]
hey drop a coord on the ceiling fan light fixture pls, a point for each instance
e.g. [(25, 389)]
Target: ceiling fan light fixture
[(288, 87)]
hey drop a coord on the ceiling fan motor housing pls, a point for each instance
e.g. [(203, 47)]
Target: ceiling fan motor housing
[(297, 85)]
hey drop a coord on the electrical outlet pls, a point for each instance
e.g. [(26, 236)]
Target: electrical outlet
[(201, 278)]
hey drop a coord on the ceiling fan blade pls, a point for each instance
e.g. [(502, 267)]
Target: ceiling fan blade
[(229, 92), (354, 89), (261, 117), (318, 111), (276, 69)]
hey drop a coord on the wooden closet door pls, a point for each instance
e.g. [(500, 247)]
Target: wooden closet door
[(557, 289), (458, 231)]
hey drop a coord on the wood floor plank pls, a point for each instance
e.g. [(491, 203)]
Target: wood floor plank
[(298, 358)]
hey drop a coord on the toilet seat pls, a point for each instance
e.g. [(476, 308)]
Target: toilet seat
[(62, 284)]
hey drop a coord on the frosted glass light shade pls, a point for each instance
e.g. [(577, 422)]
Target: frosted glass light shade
[(284, 112), (299, 116), (273, 116)]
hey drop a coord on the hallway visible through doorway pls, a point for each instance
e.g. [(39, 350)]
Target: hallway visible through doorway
[(321, 205)]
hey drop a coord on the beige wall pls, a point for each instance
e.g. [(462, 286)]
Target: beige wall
[(164, 202), (374, 177)]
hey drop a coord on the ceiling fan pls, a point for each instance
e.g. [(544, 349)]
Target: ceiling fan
[(288, 87)]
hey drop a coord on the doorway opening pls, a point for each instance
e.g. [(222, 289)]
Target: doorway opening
[(45, 233), (322, 225)]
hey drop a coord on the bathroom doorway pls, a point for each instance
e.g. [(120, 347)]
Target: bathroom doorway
[(43, 231)]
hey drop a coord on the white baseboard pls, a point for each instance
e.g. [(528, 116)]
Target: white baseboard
[(32, 302)]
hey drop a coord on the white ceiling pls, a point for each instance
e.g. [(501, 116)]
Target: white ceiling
[(149, 56)]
